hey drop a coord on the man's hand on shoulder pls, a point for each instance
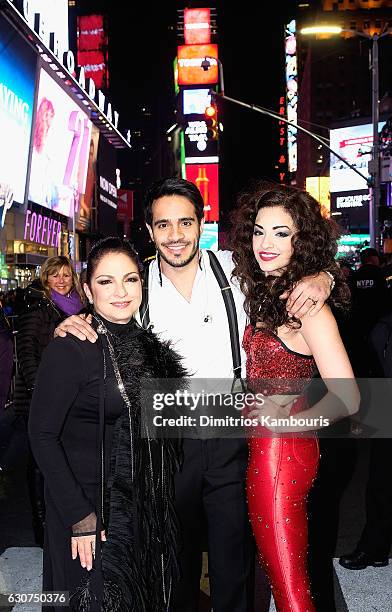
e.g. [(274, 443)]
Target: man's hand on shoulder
[(77, 325), (309, 295)]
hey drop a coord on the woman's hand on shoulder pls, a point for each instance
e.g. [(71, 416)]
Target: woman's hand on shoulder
[(77, 325)]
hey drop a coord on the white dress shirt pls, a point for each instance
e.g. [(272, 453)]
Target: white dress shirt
[(204, 346)]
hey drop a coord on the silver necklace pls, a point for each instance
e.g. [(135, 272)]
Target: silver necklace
[(103, 330)]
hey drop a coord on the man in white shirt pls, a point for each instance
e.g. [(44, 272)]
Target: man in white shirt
[(185, 306)]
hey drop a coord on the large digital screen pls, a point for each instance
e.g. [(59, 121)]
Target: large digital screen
[(87, 200), (206, 179), (54, 14), (61, 148), (17, 80), (197, 26), (107, 188), (92, 49), (195, 101), (196, 142), (351, 209), (318, 188), (190, 58), (354, 144), (209, 237)]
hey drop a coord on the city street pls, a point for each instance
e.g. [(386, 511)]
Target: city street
[(21, 560), (199, 194)]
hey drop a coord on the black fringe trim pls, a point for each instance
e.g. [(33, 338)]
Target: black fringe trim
[(139, 558)]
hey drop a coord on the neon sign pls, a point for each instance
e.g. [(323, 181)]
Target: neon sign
[(42, 229), (291, 93), (197, 26)]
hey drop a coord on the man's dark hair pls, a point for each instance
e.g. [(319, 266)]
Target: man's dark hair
[(367, 254), (169, 187)]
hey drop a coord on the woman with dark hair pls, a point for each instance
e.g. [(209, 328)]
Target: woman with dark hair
[(48, 301), (280, 237), (109, 486)]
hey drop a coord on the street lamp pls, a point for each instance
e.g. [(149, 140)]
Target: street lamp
[(374, 165), (206, 64)]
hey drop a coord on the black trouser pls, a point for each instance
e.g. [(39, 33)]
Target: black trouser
[(376, 538), (35, 485), (210, 489)]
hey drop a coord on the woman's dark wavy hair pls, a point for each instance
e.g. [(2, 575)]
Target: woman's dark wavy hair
[(314, 250)]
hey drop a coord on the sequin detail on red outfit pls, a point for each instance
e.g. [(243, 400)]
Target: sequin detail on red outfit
[(280, 473)]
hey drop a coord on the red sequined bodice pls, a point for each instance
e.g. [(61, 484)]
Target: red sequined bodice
[(271, 364)]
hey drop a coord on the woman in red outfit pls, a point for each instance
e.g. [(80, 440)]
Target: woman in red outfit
[(281, 237)]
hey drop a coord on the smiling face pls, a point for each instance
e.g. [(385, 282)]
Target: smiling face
[(115, 288), (61, 280), (272, 239), (175, 230)]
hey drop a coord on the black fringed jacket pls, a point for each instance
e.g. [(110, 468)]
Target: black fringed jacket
[(139, 557)]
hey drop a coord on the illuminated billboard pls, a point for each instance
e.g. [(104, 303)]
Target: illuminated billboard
[(87, 199), (197, 26), (351, 209), (206, 178), (209, 238), (354, 144), (291, 93), (196, 142), (61, 146), (318, 188), (190, 58), (54, 14), (107, 188), (92, 49), (17, 79), (195, 101)]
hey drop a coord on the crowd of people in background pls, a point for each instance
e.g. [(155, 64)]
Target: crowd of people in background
[(29, 316)]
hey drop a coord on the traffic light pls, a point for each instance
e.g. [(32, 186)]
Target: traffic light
[(211, 118)]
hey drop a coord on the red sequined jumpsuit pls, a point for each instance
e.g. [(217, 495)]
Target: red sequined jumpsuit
[(280, 472)]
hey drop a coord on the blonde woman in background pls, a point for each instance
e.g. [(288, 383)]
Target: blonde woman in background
[(48, 300)]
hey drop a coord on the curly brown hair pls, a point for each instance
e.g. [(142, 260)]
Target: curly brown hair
[(314, 248)]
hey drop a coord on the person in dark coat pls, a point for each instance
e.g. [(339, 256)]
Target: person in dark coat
[(6, 359), (371, 300), (111, 530), (48, 300)]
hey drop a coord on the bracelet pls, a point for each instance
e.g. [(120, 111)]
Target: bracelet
[(331, 278), (83, 533)]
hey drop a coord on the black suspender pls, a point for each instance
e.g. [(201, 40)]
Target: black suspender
[(228, 299), (231, 312)]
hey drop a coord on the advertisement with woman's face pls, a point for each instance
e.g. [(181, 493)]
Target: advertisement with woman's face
[(83, 219), (17, 80), (61, 143)]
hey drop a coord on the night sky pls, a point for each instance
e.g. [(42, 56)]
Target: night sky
[(143, 43)]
